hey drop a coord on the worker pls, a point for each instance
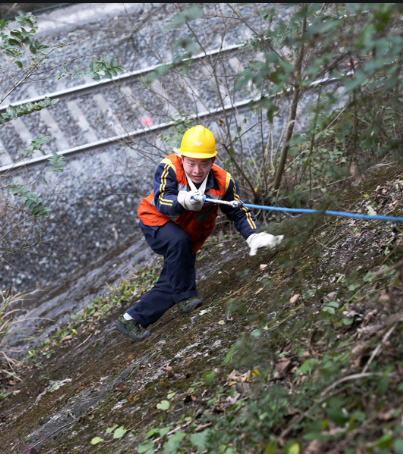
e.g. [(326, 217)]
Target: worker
[(176, 223)]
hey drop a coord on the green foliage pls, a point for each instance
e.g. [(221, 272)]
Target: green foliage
[(31, 200), (14, 112), (209, 377), (57, 161), (12, 42), (96, 440), (191, 13), (172, 445), (36, 144), (300, 45), (163, 405), (100, 66), (119, 433), (173, 136), (24, 57)]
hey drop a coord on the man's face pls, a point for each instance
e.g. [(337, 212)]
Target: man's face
[(197, 169)]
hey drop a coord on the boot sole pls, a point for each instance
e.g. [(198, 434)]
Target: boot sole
[(132, 336), (195, 305)]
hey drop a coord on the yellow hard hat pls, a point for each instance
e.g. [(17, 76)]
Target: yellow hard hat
[(198, 143)]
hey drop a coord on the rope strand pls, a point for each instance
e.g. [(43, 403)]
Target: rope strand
[(236, 204)]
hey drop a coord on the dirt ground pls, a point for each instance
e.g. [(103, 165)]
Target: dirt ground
[(91, 380)]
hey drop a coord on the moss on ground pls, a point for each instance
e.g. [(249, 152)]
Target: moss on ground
[(308, 315)]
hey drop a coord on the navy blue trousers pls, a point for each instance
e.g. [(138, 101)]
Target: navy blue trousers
[(177, 280)]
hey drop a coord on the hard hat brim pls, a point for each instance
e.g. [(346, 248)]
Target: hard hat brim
[(199, 155)]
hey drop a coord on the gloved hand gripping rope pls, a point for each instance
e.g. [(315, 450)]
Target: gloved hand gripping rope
[(256, 240), (264, 239)]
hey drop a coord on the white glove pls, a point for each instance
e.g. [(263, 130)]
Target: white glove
[(257, 240), (185, 199)]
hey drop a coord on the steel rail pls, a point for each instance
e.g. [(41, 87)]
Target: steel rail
[(123, 77), (136, 133), (143, 131)]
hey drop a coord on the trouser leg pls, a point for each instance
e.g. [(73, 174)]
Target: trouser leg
[(177, 280)]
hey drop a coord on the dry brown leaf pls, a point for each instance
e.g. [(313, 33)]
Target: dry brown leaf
[(236, 376), (294, 298), (66, 338), (315, 447), (233, 376), (386, 416), (283, 366), (358, 347), (16, 392), (370, 316), (97, 314), (244, 377), (232, 400), (202, 427), (384, 297), (354, 172), (189, 398), (367, 331), (120, 388), (350, 314), (169, 370), (219, 408)]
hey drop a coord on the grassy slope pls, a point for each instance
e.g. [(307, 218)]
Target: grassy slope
[(258, 370)]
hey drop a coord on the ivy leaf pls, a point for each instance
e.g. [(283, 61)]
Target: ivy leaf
[(96, 440), (209, 377), (146, 447), (172, 445), (57, 161), (199, 440), (119, 432), (111, 429), (163, 405)]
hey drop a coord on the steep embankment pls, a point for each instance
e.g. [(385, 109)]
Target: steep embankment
[(294, 349)]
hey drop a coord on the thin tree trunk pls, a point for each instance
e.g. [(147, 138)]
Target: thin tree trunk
[(293, 113)]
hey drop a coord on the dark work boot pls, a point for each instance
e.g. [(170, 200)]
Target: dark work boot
[(188, 305), (132, 329)]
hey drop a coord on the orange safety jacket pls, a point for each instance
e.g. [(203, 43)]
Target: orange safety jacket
[(161, 206)]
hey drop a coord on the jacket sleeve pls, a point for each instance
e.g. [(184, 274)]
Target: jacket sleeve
[(243, 218), (166, 190)]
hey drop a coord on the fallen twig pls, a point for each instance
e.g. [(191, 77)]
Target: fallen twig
[(378, 347), (353, 377), (9, 373), (82, 343)]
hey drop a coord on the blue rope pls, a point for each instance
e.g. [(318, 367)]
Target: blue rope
[(330, 213), (302, 210)]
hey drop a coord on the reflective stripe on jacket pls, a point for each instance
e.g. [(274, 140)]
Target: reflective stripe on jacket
[(162, 206)]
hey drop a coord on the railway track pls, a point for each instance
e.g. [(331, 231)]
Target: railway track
[(107, 127), (91, 114), (104, 97)]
